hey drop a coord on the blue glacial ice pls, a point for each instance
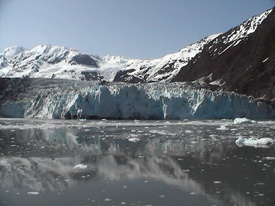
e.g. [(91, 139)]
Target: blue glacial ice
[(134, 101)]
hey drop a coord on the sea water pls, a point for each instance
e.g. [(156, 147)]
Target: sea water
[(106, 162)]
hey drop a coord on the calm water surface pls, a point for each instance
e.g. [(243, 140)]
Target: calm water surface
[(56, 162)]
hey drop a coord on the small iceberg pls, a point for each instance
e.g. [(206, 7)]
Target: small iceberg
[(80, 167), (243, 121), (254, 142), (133, 139), (33, 193), (222, 127)]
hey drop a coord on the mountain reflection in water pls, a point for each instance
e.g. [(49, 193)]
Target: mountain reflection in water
[(196, 158)]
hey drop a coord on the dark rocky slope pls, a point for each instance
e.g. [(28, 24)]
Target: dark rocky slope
[(246, 67)]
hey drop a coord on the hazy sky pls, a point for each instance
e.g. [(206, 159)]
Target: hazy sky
[(131, 28)]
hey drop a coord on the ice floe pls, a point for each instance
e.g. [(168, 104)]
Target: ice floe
[(80, 166), (244, 121), (33, 193), (134, 139), (254, 142)]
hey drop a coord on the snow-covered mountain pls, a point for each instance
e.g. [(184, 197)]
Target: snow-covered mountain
[(47, 61), (162, 69), (241, 60)]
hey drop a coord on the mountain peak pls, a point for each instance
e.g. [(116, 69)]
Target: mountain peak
[(240, 60), (12, 51), (244, 29)]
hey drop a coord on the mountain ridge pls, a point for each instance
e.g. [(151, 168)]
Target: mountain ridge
[(246, 66), (16, 61), (240, 60)]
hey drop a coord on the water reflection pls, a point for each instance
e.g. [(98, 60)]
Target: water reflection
[(198, 159)]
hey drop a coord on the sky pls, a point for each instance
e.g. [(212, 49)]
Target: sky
[(143, 29)]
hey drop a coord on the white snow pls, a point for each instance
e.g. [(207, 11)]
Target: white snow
[(236, 35), (11, 52), (217, 82), (47, 61), (246, 28), (265, 60), (43, 61), (244, 121), (254, 142), (159, 69)]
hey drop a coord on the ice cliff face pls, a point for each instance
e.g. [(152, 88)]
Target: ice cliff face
[(68, 99)]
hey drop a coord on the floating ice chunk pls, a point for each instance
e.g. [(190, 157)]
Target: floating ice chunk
[(244, 121), (270, 158), (222, 127), (188, 131), (134, 139), (161, 132), (254, 142), (213, 136), (33, 193), (80, 167), (217, 182)]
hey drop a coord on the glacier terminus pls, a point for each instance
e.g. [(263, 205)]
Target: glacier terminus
[(74, 99)]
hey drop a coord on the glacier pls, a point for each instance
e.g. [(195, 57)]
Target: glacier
[(72, 99)]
